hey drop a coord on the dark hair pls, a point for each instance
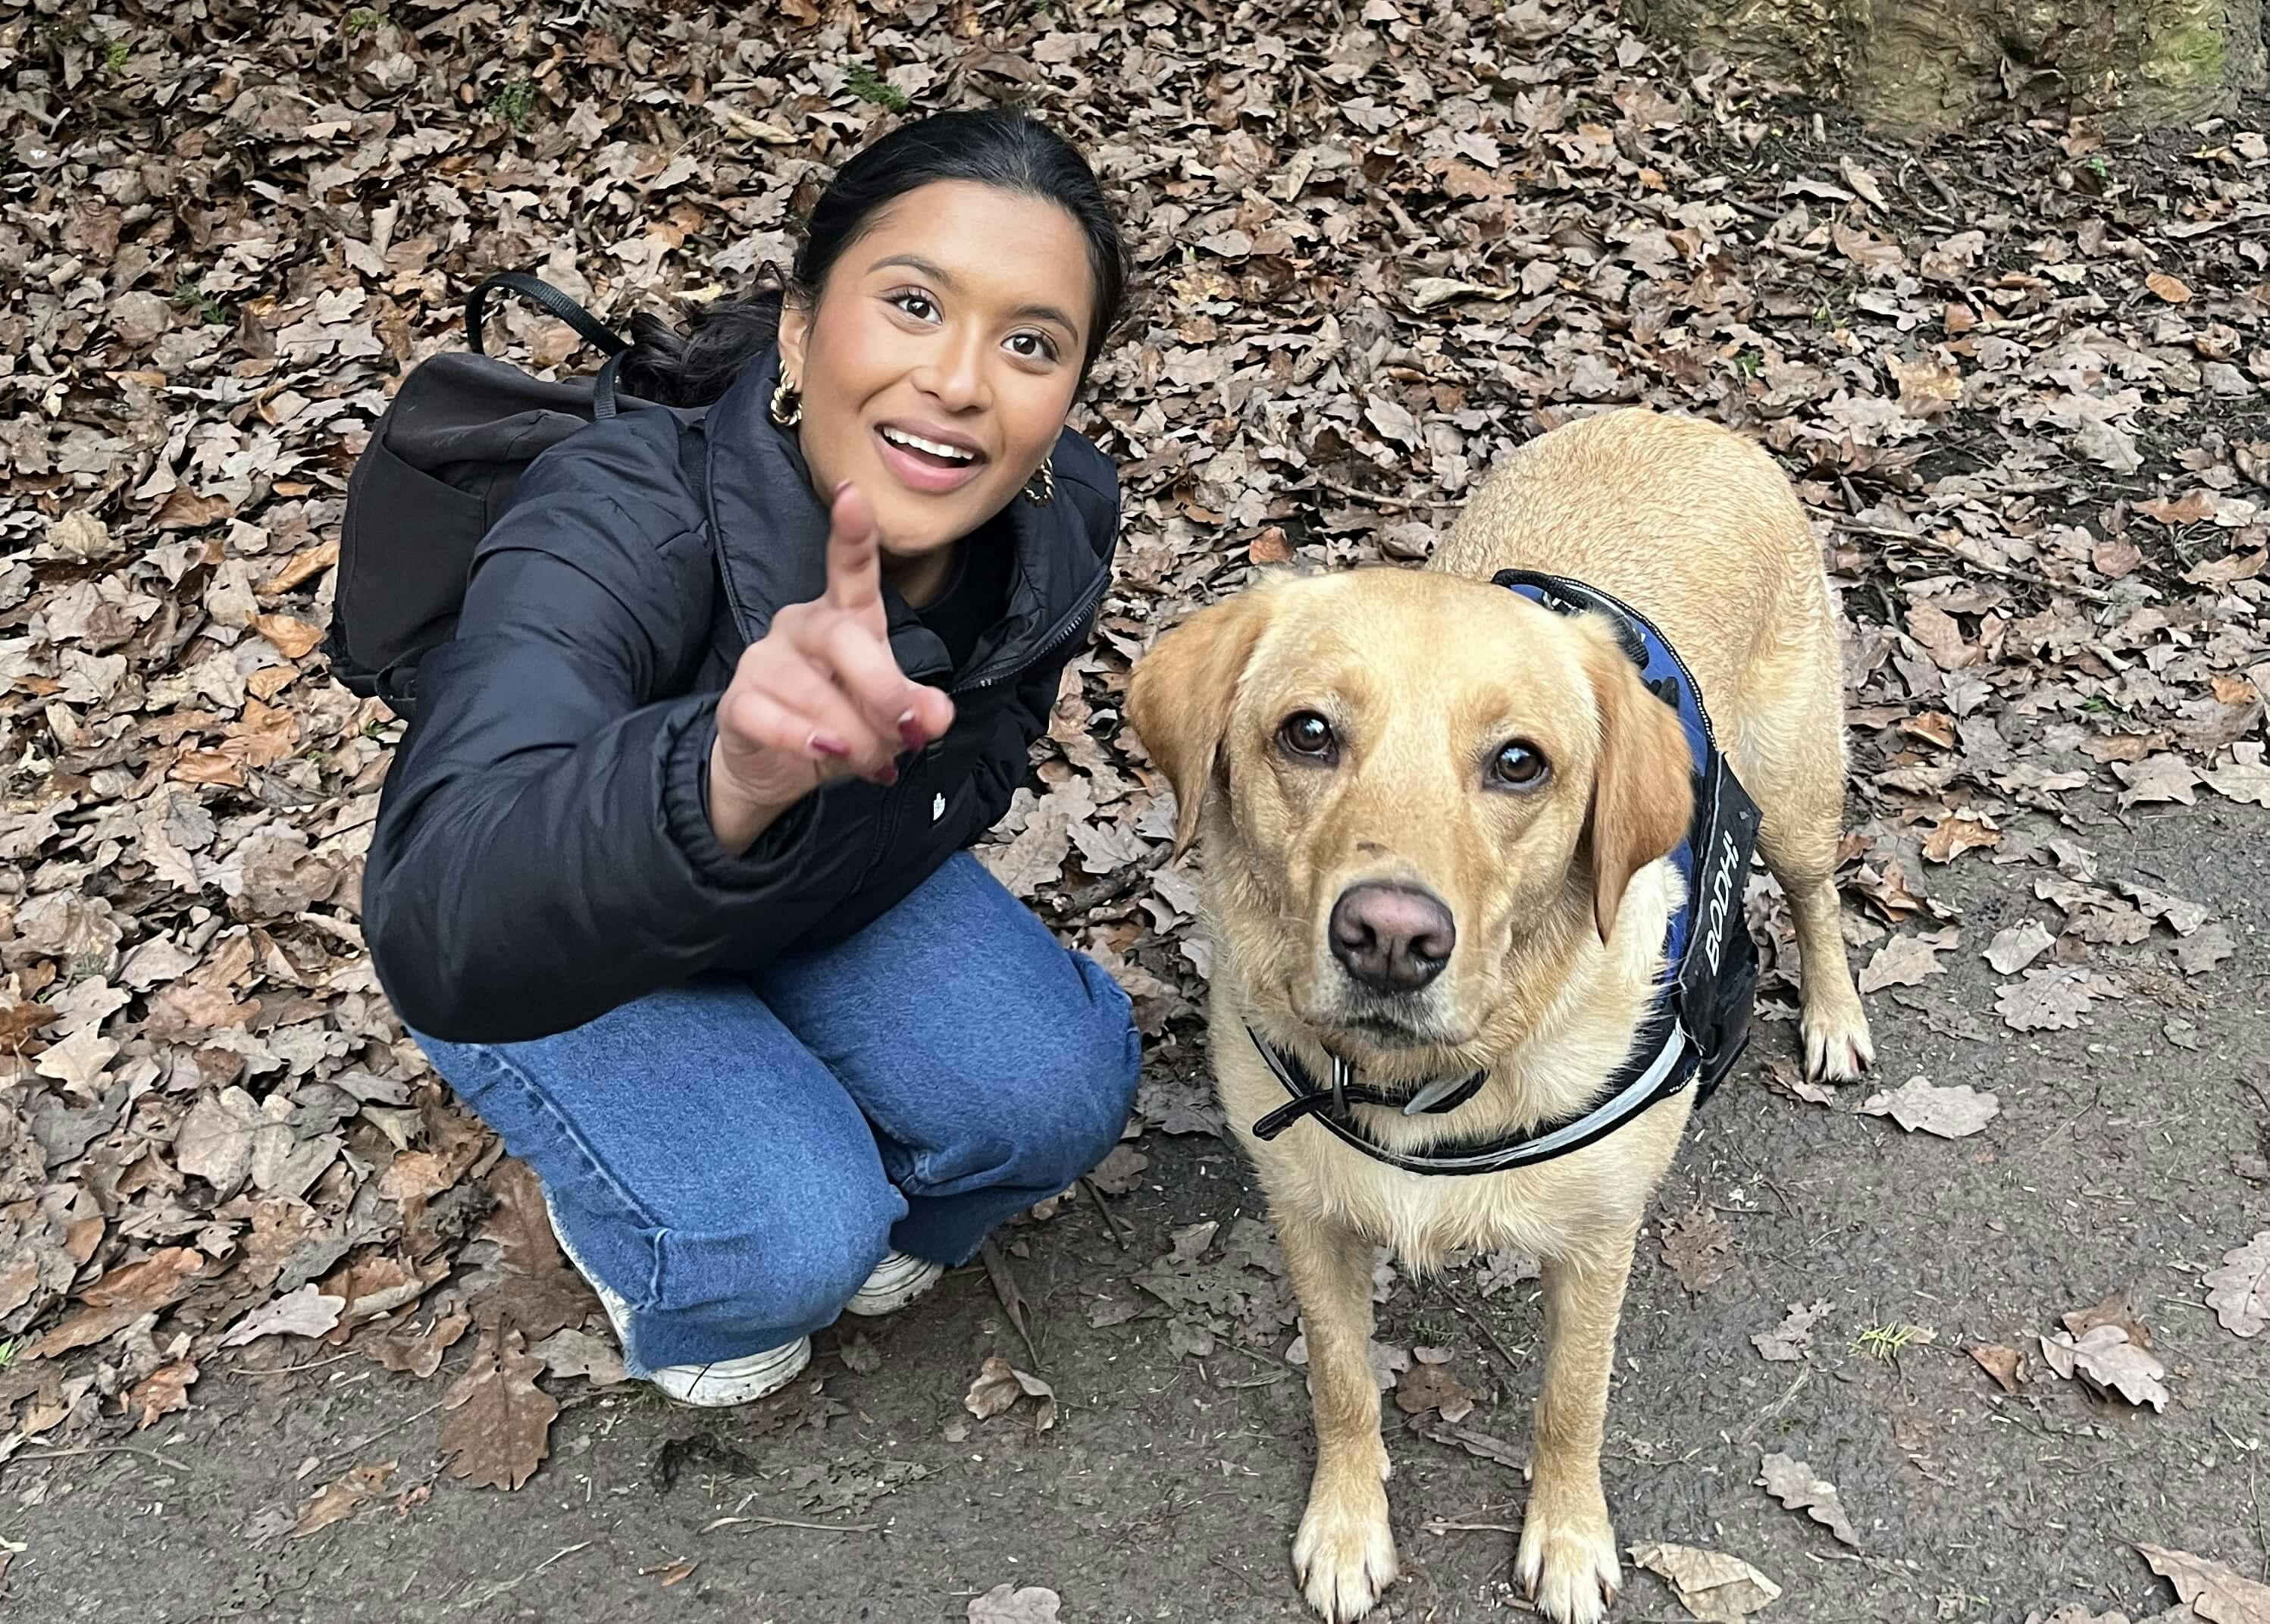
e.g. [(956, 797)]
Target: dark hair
[(992, 148)]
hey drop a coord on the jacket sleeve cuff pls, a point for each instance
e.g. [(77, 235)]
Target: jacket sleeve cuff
[(685, 813)]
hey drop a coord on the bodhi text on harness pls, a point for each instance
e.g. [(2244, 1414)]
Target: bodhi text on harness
[(1700, 1022)]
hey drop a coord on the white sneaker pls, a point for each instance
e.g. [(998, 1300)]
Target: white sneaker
[(726, 1382), (897, 1280)]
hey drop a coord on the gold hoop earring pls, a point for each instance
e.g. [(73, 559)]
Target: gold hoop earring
[(788, 405), (1040, 489)]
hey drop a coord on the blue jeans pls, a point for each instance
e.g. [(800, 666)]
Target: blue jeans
[(734, 1156)]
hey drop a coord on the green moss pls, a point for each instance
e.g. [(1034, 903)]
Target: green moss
[(2192, 54)]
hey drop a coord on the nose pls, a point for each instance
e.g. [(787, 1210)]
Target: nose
[(1393, 938), (955, 375)]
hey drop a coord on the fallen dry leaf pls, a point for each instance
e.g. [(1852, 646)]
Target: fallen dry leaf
[(2005, 1365), (336, 1501), (999, 1384), (2239, 1291), (578, 1353), (120, 1297), (411, 1352), (2114, 1310), (307, 1312), (1786, 1342), (2243, 777), (500, 1424), (1903, 962), (1696, 1247), (1796, 1485), (1009, 1604), (161, 1392), (1919, 1104), (1430, 1386), (2052, 999), (2172, 289), (2215, 1593), (2156, 779), (1712, 1586), (2013, 949), (2108, 1362)]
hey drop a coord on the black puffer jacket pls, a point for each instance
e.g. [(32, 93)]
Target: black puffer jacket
[(542, 854)]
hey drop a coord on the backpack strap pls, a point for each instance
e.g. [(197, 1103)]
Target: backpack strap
[(693, 463), (589, 327)]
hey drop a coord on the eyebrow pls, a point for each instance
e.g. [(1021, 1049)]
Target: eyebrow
[(938, 274)]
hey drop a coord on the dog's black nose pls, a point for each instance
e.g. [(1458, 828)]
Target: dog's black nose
[(1393, 938)]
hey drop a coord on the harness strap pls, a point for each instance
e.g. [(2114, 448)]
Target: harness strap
[(1662, 1064), (1307, 1099)]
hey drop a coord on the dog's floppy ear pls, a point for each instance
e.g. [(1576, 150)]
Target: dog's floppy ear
[(1643, 786), (1179, 699)]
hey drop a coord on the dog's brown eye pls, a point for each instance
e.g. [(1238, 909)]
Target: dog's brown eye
[(1518, 766), (1306, 733)]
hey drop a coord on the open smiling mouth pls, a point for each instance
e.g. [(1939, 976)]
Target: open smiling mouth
[(925, 464)]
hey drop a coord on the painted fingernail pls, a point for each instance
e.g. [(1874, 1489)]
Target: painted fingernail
[(829, 745), (842, 485), (911, 732)]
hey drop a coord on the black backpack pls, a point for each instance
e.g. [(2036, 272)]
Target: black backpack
[(439, 469)]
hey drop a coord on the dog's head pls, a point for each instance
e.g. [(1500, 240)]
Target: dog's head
[(1425, 795)]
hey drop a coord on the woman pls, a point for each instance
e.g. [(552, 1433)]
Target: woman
[(669, 877)]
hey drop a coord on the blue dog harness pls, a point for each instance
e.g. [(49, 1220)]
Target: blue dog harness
[(1700, 1022)]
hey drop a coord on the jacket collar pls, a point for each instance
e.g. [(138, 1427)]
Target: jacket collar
[(771, 536)]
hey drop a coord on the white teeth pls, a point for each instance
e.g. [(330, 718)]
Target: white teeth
[(899, 437)]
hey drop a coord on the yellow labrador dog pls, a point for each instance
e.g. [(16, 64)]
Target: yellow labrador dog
[(1438, 817)]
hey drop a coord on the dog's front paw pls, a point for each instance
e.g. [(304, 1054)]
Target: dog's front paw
[(1837, 1047), (1344, 1554), (1568, 1564)]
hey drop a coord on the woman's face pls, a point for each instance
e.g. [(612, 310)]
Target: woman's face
[(940, 356)]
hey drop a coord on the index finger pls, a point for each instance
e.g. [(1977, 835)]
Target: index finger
[(855, 569)]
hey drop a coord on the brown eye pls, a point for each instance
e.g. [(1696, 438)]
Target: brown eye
[(1305, 733), (1518, 765)]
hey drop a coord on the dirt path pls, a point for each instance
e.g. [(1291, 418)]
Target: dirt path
[(1170, 1484)]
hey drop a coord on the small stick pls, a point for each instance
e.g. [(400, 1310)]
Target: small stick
[(1512, 1364), (1110, 1218), (93, 1448), (2009, 572), (1013, 1300), (1470, 1528), (1358, 493), (352, 1448), (790, 1522)]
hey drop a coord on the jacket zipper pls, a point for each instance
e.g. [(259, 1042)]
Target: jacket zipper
[(886, 823), (1061, 634)]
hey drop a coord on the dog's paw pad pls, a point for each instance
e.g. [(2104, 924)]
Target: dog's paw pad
[(1345, 1558), (1569, 1570)]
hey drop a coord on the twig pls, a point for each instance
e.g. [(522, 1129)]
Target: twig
[(1471, 1528), (1750, 1432), (1110, 1218), (360, 1444), (1512, 1364), (91, 1449), (789, 1522), (1358, 493), (495, 1590), (2009, 572), (2094, 1100), (313, 1364), (1013, 1300), (2259, 1092)]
